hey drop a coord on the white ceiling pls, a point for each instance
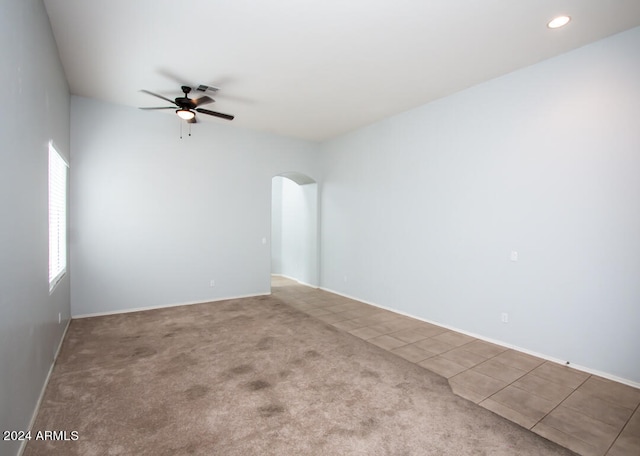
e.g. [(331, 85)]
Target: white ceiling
[(313, 69)]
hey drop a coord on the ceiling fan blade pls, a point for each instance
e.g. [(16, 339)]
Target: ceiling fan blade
[(158, 96), (202, 100), (162, 107), (216, 114)]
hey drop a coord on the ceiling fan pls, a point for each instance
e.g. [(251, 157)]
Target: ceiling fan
[(187, 107)]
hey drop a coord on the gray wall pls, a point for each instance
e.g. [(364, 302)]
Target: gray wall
[(276, 226), (421, 211), (155, 217), (34, 110)]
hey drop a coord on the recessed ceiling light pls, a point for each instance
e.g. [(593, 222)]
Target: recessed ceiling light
[(558, 22)]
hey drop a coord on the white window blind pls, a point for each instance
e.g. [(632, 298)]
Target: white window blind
[(57, 217)]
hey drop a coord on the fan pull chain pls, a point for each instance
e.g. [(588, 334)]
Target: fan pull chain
[(189, 129), (180, 130)]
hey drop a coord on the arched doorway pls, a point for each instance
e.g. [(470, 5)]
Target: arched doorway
[(294, 227)]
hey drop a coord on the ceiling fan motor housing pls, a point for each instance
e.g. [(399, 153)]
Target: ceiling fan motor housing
[(185, 103)]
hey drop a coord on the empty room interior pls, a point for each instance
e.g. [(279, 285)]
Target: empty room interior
[(355, 227)]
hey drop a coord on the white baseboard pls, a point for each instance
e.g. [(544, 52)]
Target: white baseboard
[(164, 306), (23, 445), (296, 280), (498, 342)]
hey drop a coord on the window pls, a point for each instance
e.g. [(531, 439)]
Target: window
[(57, 217)]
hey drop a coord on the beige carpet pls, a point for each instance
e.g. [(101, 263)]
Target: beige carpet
[(254, 377)]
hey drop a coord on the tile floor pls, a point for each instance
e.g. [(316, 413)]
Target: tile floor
[(590, 415)]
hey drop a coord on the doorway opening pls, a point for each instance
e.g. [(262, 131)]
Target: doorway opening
[(294, 228)]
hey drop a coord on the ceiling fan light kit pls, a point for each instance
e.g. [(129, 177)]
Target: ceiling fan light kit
[(185, 114)]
